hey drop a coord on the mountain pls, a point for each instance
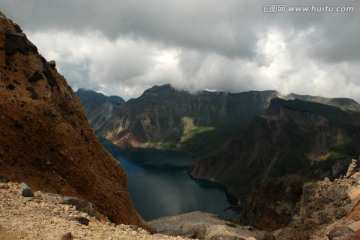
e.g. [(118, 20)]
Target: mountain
[(258, 134), (291, 137), (45, 139), (201, 123), (164, 117), (98, 107)]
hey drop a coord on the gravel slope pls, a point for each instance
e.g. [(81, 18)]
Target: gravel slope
[(44, 217)]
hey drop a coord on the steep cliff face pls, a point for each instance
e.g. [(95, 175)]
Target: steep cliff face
[(45, 139), (166, 116), (98, 107), (289, 138)]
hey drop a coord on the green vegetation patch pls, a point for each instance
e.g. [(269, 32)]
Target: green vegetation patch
[(339, 150), (205, 141)]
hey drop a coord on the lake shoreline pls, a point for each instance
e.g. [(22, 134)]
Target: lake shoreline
[(161, 179)]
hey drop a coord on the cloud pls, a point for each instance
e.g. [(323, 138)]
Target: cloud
[(123, 47), (195, 25)]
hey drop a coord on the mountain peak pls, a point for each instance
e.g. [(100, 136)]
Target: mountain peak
[(161, 88)]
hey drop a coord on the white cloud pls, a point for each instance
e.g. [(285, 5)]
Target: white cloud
[(123, 47)]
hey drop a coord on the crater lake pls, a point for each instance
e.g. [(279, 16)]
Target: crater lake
[(159, 184)]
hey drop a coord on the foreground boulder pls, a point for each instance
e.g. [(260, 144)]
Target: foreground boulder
[(25, 190), (45, 139), (342, 233)]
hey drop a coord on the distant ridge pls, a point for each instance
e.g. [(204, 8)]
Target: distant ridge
[(163, 117), (347, 104)]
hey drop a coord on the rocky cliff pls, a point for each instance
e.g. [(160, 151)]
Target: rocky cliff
[(200, 123), (45, 139), (98, 107), (290, 138), (170, 118), (312, 210)]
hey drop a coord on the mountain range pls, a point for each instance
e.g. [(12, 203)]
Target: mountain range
[(240, 139), (163, 117)]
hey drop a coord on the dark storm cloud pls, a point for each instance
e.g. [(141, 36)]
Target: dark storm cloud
[(228, 27), (124, 46), (206, 25)]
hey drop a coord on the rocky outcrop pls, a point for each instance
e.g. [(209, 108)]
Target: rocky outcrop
[(272, 203), (206, 226), (291, 137), (327, 208), (293, 207), (45, 139)]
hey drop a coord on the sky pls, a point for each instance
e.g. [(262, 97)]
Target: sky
[(122, 47)]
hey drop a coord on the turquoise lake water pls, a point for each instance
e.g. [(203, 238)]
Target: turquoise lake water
[(159, 184)]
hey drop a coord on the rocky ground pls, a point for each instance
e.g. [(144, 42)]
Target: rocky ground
[(45, 217), (53, 216), (208, 226)]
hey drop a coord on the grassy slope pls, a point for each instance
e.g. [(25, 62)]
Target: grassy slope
[(202, 142)]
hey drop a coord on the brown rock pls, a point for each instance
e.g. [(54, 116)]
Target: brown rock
[(342, 233), (30, 136), (81, 220), (3, 186), (80, 205), (3, 179), (67, 236), (357, 235)]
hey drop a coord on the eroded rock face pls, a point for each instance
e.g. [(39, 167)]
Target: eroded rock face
[(272, 203), (156, 116), (289, 138), (45, 139), (327, 208)]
